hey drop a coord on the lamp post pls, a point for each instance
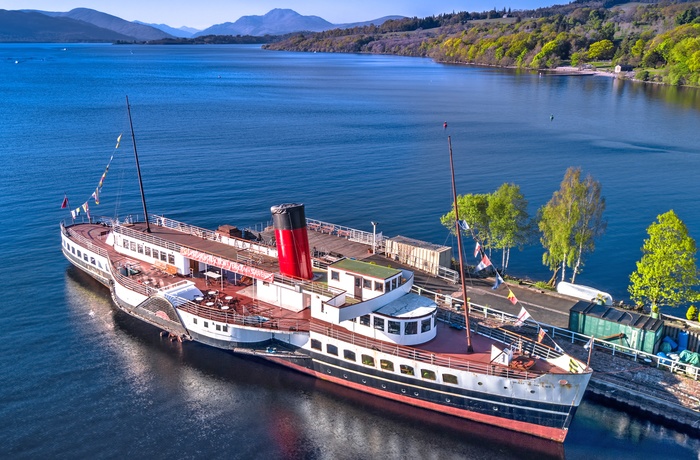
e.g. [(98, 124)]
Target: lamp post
[(374, 237)]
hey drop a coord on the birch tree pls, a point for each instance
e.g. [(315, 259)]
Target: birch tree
[(570, 223), (509, 222)]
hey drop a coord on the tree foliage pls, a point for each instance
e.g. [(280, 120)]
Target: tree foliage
[(570, 223), (660, 38), (497, 220), (667, 273), (509, 221)]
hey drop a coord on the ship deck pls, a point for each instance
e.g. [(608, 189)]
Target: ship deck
[(235, 302)]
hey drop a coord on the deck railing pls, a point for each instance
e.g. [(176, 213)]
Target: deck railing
[(83, 241), (447, 303), (415, 354), (229, 317)]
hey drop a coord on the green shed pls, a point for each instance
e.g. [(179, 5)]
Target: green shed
[(627, 328)]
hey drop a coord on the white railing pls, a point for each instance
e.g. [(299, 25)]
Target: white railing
[(446, 301), (352, 234)]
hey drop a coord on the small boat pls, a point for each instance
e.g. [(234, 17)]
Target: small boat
[(344, 320)]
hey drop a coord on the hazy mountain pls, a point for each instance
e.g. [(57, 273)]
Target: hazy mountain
[(275, 22), (34, 26), (83, 24), (182, 32), (107, 21), (376, 22)]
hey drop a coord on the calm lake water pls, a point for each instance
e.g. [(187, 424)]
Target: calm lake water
[(225, 132)]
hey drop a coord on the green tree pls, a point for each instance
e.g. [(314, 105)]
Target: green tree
[(591, 224), (570, 223), (509, 222), (603, 49), (472, 208), (667, 272), (557, 220), (692, 313)]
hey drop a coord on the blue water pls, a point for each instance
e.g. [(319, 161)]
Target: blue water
[(225, 132)]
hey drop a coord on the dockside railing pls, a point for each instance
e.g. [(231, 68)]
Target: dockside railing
[(448, 304)]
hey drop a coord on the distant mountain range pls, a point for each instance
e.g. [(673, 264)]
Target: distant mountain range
[(87, 25)]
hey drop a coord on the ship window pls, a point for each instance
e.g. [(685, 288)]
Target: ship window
[(425, 325), (133, 246), (394, 327), (80, 254), (387, 286), (92, 261), (218, 327), (206, 323), (379, 323), (449, 378), (395, 283), (426, 374), (364, 320), (139, 248), (410, 328), (72, 249), (316, 344), (147, 251), (408, 370), (163, 256), (194, 320), (367, 284), (335, 276), (99, 264), (156, 254), (225, 327), (85, 257), (125, 243), (171, 259), (367, 360), (386, 365), (349, 355), (378, 286), (331, 349)]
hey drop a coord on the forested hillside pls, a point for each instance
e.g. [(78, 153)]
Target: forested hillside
[(659, 40)]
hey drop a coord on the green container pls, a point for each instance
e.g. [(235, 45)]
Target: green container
[(622, 327)]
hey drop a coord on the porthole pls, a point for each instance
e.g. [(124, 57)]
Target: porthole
[(448, 400), (505, 388), (480, 383), (328, 370), (383, 386), (345, 376), (495, 408), (415, 393), (403, 390), (364, 381), (532, 391)]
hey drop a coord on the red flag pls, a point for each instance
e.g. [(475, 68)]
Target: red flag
[(485, 262), (540, 335), (512, 297), (477, 250), (65, 202)]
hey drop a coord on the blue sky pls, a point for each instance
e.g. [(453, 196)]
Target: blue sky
[(204, 13)]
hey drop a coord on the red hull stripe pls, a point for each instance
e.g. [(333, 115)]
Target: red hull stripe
[(554, 434)]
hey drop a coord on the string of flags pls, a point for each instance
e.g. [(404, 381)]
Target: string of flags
[(95, 196), (524, 315)]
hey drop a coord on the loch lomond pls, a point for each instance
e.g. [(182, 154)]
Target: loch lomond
[(223, 132)]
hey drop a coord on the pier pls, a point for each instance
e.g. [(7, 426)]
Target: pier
[(630, 380)]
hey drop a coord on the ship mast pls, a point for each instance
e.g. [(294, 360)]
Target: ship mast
[(138, 168), (470, 349)]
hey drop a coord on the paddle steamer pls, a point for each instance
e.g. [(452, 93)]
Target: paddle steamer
[(348, 321)]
